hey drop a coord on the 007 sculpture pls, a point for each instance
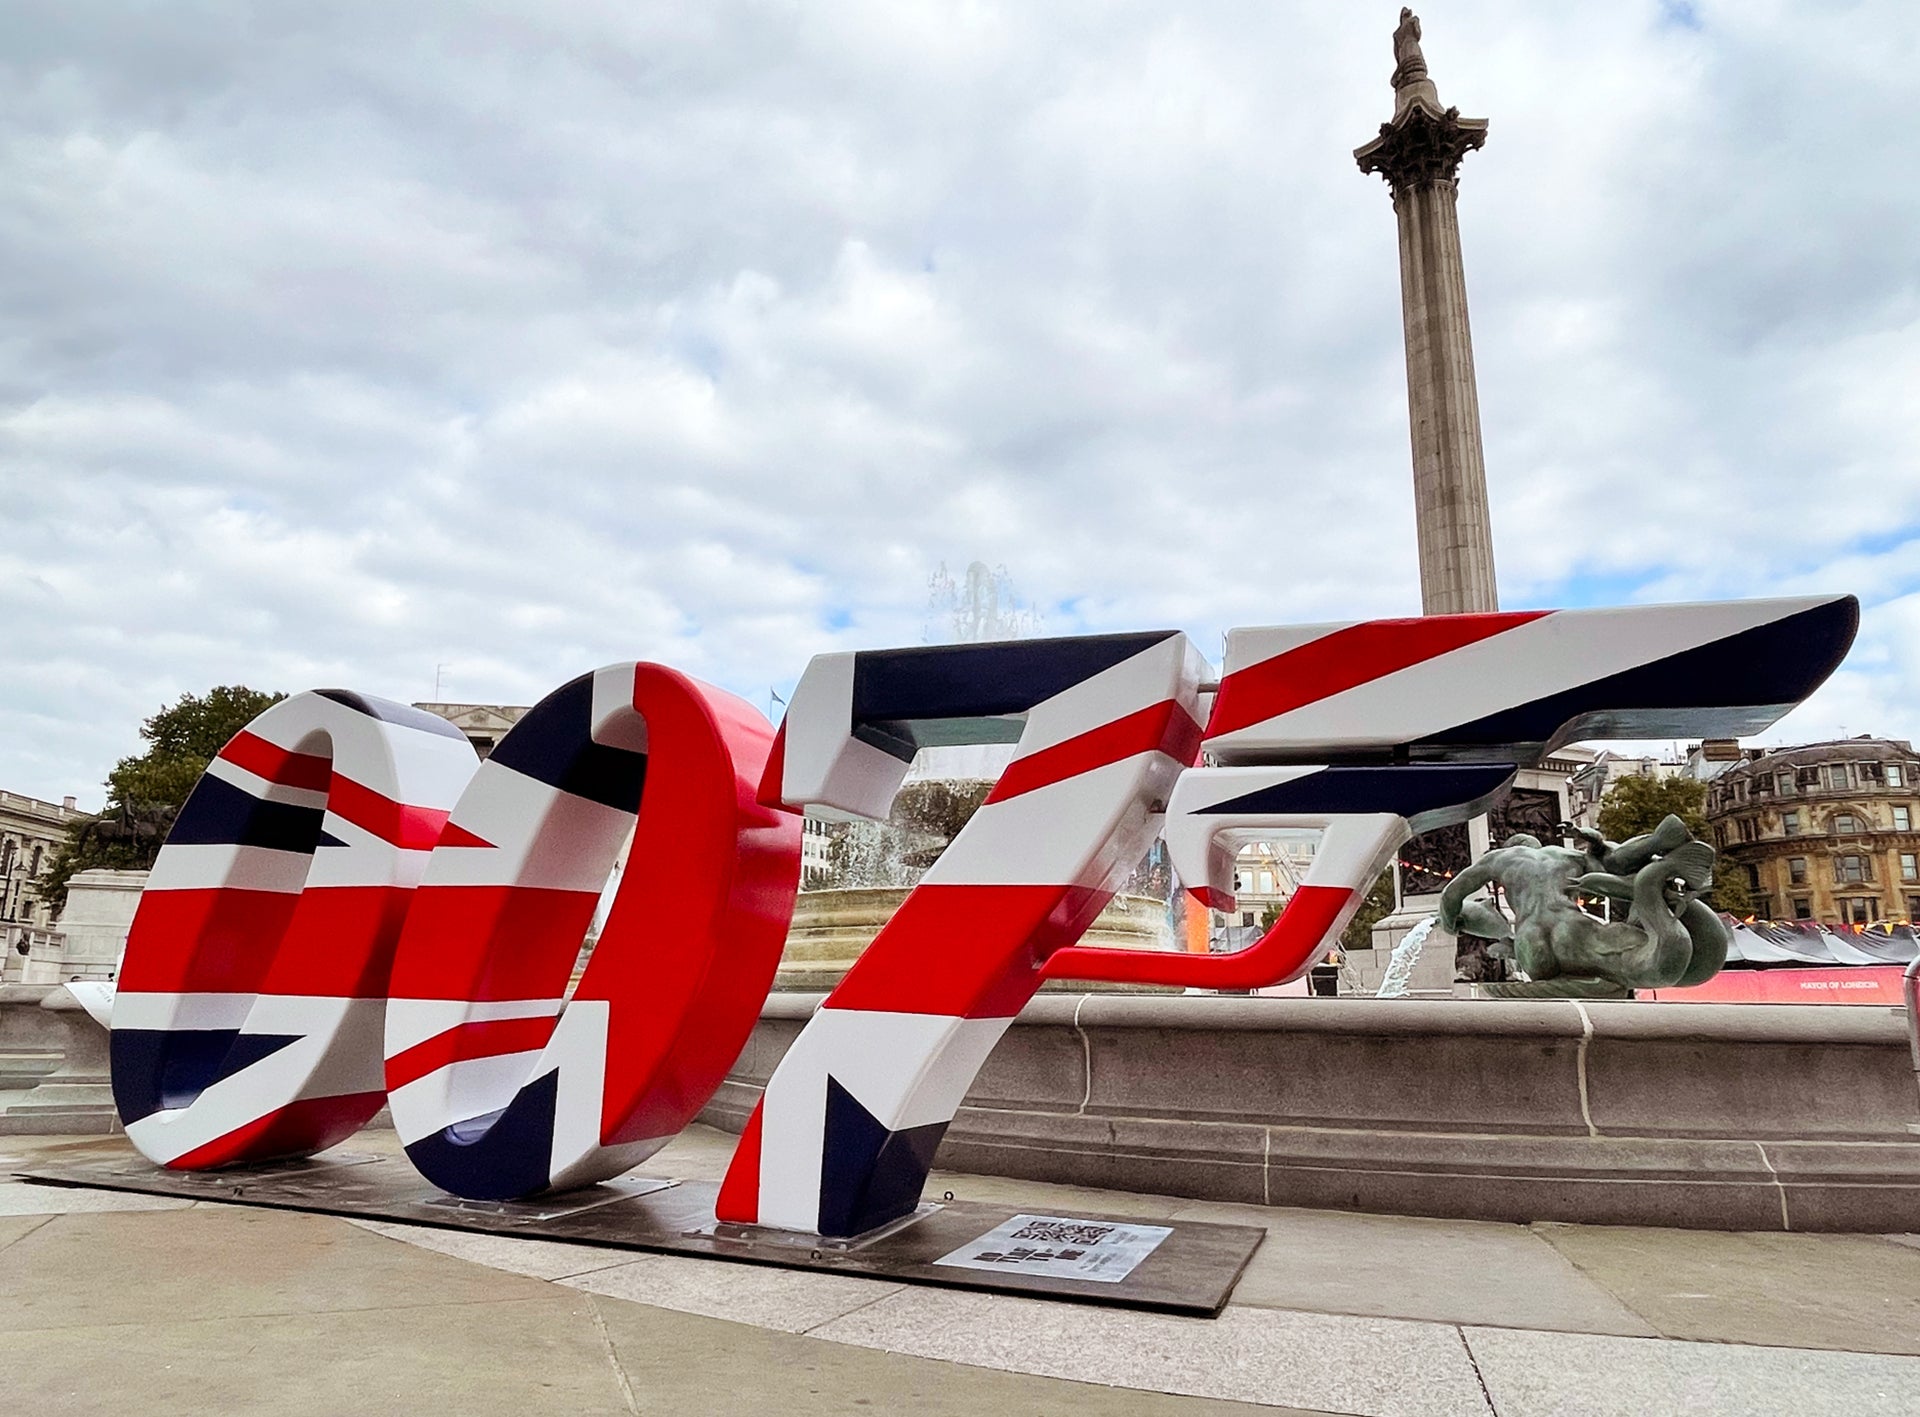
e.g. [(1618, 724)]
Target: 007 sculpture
[(351, 910)]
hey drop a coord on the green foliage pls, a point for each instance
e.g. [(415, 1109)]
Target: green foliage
[(146, 791), (1730, 891), (1639, 804), (1378, 904)]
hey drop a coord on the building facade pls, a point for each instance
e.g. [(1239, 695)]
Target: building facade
[(30, 832), (483, 724), (1826, 831)]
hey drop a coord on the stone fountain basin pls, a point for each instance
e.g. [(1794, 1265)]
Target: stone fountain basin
[(831, 928)]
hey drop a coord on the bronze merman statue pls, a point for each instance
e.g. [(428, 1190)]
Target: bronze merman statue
[(1670, 936)]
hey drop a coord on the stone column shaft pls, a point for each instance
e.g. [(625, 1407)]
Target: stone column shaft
[(1449, 467)]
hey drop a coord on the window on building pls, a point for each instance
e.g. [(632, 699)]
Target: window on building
[(1837, 777), (1866, 773), (1909, 866), (1846, 824), (1797, 869), (1753, 877), (1850, 870), (1719, 834), (1785, 782), (1802, 908), (1749, 829), (1860, 910), (1763, 786), (1246, 917), (1896, 775), (34, 869), (1902, 819), (1807, 777), (1790, 822), (1913, 907)]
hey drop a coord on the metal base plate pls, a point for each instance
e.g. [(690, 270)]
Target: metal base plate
[(1191, 1269)]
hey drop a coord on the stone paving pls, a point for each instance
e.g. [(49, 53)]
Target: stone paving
[(110, 1301)]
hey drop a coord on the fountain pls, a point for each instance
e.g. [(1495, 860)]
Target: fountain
[(1406, 955), (873, 864)]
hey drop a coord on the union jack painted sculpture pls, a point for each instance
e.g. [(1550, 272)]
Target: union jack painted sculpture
[(345, 887)]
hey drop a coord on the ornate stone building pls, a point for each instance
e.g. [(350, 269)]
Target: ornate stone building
[(1825, 831), (484, 724), (30, 832)]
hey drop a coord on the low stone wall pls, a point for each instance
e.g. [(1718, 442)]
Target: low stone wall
[(54, 1067), (1725, 1117)]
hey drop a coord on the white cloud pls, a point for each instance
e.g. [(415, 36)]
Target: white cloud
[(345, 344)]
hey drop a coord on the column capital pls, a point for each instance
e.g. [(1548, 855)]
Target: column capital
[(1421, 146)]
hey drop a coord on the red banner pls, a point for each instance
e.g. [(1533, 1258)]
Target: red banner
[(1867, 984)]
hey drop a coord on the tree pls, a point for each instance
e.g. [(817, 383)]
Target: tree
[(1639, 804), (145, 792), (1377, 905), (1730, 891)]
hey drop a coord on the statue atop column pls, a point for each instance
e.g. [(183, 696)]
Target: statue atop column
[(1410, 79), (1424, 142)]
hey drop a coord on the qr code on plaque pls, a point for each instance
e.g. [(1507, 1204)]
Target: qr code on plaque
[(1062, 1232)]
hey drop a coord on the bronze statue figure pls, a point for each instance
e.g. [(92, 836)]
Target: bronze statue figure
[(1670, 936), (1408, 62)]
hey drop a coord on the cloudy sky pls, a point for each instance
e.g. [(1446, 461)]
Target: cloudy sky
[(362, 343)]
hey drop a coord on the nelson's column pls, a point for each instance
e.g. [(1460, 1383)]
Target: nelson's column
[(1418, 153)]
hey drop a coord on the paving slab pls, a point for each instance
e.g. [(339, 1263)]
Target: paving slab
[(541, 1355), (1580, 1375), (1395, 1266), (538, 1259), (1848, 1292), (679, 1364), (790, 1300), (19, 1198), (1316, 1361), (131, 1267), (18, 1227), (222, 1309)]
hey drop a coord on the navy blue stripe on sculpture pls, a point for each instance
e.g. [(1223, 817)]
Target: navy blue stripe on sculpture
[(869, 1175), (501, 1156), (1769, 667), (1405, 791), (221, 814), (978, 681), (387, 711), (554, 744), (155, 1069)]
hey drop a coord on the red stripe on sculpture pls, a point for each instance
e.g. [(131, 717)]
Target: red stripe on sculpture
[(489, 1038), (1164, 728), (311, 771), (1344, 660)]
